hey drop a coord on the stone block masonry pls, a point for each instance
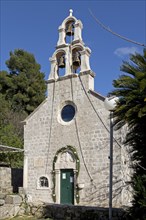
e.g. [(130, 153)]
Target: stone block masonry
[(66, 139), (46, 133), (10, 206), (5, 180)]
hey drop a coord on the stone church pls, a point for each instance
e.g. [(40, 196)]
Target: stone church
[(66, 139)]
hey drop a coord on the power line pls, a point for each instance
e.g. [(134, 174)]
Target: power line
[(114, 33), (50, 133), (96, 110)]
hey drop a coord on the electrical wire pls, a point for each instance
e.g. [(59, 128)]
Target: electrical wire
[(78, 137), (114, 33), (96, 110), (50, 130), (76, 125)]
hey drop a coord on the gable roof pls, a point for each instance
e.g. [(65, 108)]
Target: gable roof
[(29, 116)]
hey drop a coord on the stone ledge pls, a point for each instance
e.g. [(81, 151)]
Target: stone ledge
[(71, 212), (13, 199)]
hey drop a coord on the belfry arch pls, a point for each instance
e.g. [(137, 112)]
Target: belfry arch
[(72, 56)]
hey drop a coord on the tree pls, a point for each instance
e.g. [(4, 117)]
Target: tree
[(10, 133), (27, 87), (131, 110), (9, 137), (21, 91)]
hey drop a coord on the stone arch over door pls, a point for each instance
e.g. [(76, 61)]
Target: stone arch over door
[(65, 158)]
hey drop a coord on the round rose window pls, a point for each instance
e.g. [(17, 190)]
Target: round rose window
[(68, 113)]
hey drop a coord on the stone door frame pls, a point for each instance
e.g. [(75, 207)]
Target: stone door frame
[(65, 158)]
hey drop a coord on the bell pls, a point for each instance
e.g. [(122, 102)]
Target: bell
[(76, 60), (61, 63), (69, 30)]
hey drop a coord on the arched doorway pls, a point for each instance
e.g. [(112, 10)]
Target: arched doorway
[(65, 169)]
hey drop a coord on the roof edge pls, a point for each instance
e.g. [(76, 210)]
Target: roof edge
[(97, 95), (24, 121)]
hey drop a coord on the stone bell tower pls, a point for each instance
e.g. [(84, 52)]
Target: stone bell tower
[(71, 53)]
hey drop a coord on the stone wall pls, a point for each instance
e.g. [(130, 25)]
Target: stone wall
[(5, 180), (66, 212), (46, 133), (15, 206), (10, 181), (10, 205)]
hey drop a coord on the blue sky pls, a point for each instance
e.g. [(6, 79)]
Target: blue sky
[(32, 25)]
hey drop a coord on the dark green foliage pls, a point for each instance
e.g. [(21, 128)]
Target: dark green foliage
[(138, 210), (131, 88), (21, 91), (131, 110), (9, 137), (27, 87)]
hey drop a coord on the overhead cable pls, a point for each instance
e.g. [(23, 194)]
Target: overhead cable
[(51, 121), (114, 33), (96, 110), (78, 137)]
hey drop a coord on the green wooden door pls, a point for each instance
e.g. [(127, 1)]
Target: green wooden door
[(67, 186)]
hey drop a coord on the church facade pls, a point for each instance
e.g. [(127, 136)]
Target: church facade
[(66, 139)]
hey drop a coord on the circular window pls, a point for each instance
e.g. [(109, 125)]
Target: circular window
[(68, 113)]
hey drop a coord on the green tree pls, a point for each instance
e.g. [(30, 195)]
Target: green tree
[(131, 110), (10, 134), (21, 91), (27, 87), (9, 137)]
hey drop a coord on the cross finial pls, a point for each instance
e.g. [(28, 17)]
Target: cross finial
[(70, 12)]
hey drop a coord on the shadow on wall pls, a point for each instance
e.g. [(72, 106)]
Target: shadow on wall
[(16, 179)]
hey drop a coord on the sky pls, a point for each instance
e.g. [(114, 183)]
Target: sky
[(32, 25)]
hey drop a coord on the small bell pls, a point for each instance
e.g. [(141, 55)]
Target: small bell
[(70, 30), (76, 60), (61, 63)]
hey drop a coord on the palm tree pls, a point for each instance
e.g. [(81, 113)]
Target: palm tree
[(131, 110)]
